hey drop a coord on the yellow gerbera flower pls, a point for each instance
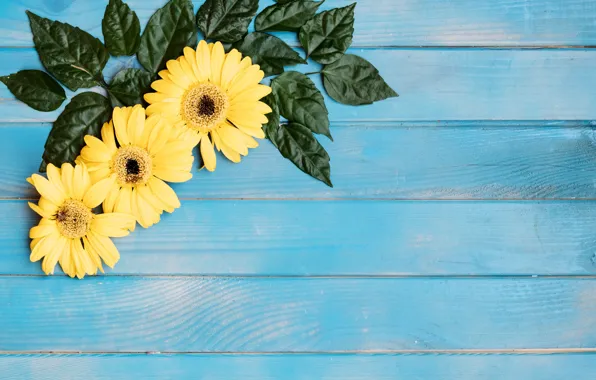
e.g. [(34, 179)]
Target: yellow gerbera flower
[(69, 232), (216, 96), (137, 160)]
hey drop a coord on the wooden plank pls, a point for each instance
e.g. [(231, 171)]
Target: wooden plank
[(142, 314), (378, 22), (409, 161), (297, 238), (435, 84), (294, 367)]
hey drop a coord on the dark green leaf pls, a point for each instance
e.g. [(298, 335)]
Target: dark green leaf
[(129, 85), (297, 143), (287, 16), (328, 35), (300, 101), (36, 89), (84, 115), (269, 52), (121, 29), (168, 31), (273, 117), (283, 1), (353, 80), (73, 56), (226, 20)]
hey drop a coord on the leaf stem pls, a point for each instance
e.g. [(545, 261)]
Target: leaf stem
[(312, 72)]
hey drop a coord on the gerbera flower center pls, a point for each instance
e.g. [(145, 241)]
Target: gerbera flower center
[(204, 106), (73, 219), (132, 165)]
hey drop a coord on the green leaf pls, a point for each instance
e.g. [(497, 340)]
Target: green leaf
[(36, 89), (286, 16), (226, 20), (73, 56), (84, 115), (273, 117), (297, 143), (121, 29), (168, 31), (328, 35), (301, 102), (129, 85), (269, 52), (353, 80)]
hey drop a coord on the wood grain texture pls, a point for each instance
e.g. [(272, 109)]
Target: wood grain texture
[(410, 161), (435, 84), (378, 22), (297, 238), (297, 367), (344, 238), (294, 315)]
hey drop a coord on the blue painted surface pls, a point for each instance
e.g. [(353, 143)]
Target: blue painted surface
[(419, 264)]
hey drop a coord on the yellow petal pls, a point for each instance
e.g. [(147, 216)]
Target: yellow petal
[(230, 153), (67, 173), (232, 137), (254, 132), (251, 94), (164, 74), (247, 117), (208, 153), (148, 216), (47, 206), (43, 247), (159, 136), (104, 247), (178, 76), (99, 174), (247, 78), (81, 181), (41, 212), (145, 192), (169, 175), (98, 150), (110, 201), (123, 203), (65, 260), (43, 230), (230, 67), (168, 109), (98, 192), (167, 87), (120, 119), (94, 256), (150, 123), (249, 141), (157, 97), (255, 107), (113, 224), (203, 59), (55, 177), (217, 60), (164, 192), (48, 190), (191, 59), (51, 259), (136, 124), (107, 136)]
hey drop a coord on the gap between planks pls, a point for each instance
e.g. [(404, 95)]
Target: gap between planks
[(352, 199), (488, 351), (323, 277)]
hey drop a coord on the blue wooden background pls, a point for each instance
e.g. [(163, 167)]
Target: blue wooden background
[(458, 243)]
